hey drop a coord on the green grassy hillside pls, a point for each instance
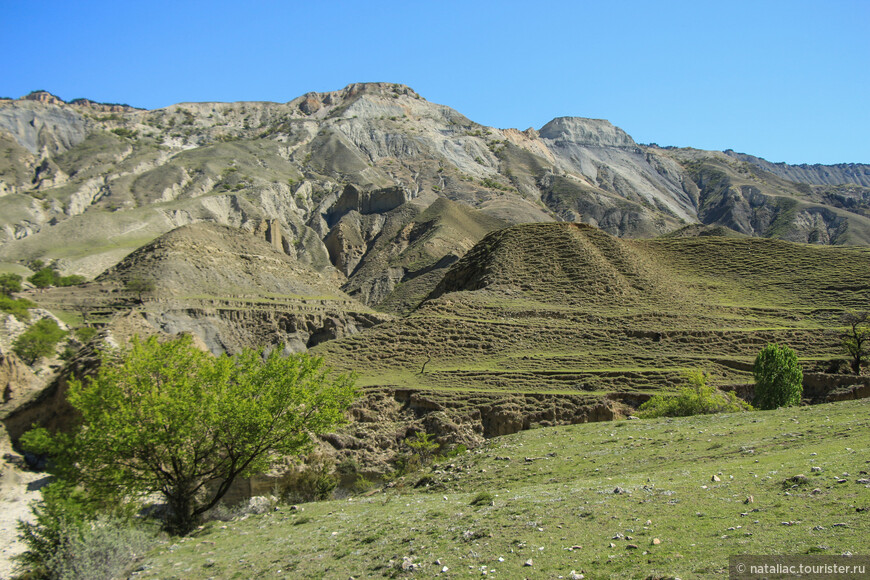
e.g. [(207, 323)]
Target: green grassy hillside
[(630, 499)]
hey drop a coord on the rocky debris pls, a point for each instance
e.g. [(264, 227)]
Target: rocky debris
[(715, 479), (16, 379), (528, 563)]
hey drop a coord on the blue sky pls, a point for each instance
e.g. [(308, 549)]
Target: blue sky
[(788, 81)]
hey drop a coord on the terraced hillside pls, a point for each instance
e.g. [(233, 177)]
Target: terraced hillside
[(229, 287), (566, 309)]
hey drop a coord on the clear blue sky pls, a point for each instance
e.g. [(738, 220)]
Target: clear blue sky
[(785, 80)]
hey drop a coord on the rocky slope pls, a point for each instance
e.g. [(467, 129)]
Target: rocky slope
[(346, 174)]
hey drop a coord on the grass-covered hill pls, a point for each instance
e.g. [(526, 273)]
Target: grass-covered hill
[(657, 498), (569, 309)]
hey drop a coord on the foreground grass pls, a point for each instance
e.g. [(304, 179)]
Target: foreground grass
[(548, 496)]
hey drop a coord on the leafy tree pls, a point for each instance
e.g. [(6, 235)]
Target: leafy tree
[(38, 341), (44, 278), (140, 286), (778, 378), (856, 339), (167, 418), (696, 399), (9, 283)]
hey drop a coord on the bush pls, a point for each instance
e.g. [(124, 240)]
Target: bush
[(48, 276), (483, 498), (16, 307), (44, 278), (315, 480), (696, 399), (69, 540), (423, 446), (38, 341), (9, 283), (73, 280), (406, 463), (778, 378)]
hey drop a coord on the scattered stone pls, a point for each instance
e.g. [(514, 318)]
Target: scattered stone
[(749, 499), (815, 469), (816, 491), (648, 523), (819, 528), (612, 545), (619, 490), (528, 563), (715, 478), (574, 575), (863, 481), (842, 480), (575, 547), (445, 569), (656, 541), (840, 525), (618, 536), (632, 547), (408, 564)]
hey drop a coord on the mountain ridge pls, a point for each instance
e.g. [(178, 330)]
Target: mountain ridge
[(112, 180)]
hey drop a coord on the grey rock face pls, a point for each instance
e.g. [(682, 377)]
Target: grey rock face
[(816, 174), (36, 126)]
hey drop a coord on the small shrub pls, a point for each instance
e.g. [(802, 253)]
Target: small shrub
[(423, 446), (38, 341), (315, 480), (75, 535), (406, 463), (483, 498), (778, 378), (73, 280), (696, 399), (85, 333), (361, 484)]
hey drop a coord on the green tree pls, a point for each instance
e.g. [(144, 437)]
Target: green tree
[(167, 418), (38, 341), (140, 286), (9, 283), (44, 278), (856, 339), (778, 378), (698, 398)]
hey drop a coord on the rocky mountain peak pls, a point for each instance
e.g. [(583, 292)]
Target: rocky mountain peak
[(43, 97), (313, 103), (586, 132)]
